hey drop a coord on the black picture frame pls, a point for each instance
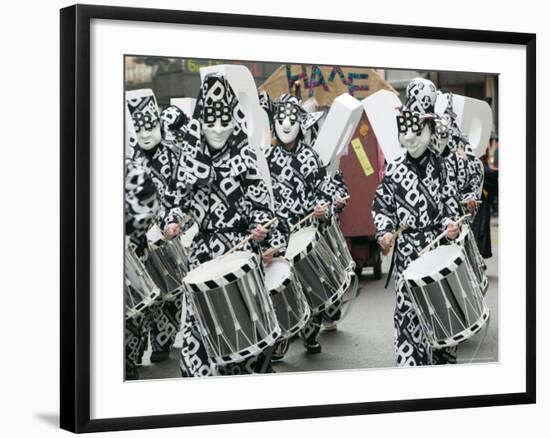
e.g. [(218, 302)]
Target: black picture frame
[(75, 217)]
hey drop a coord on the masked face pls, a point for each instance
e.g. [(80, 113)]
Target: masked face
[(287, 124), (416, 143), (217, 133), (147, 128)]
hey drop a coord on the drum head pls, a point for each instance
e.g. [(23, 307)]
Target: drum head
[(300, 241), (434, 261), (220, 267), (277, 274)]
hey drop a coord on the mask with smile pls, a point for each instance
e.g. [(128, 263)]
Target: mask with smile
[(414, 133), (217, 124), (143, 109)]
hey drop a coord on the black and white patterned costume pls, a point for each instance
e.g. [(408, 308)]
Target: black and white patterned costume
[(140, 209), (467, 168), (226, 196), (412, 193), (162, 160), (417, 193), (299, 181)]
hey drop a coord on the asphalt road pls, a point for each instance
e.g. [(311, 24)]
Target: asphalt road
[(364, 338)]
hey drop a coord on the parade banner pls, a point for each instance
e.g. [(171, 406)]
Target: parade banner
[(325, 83)]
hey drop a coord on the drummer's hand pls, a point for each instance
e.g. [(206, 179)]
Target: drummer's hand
[(171, 231), (386, 242), (471, 205), (452, 231), (319, 211), (259, 233), (340, 203), (268, 258)]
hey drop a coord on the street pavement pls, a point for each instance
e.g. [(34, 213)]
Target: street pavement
[(364, 338)]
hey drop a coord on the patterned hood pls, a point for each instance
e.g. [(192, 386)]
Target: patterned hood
[(214, 94), (420, 98), (288, 102)]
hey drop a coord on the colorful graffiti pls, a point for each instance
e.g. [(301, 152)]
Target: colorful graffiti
[(316, 79)]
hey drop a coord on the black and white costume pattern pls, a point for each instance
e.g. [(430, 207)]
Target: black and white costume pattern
[(162, 160), (416, 195), (299, 182), (226, 196), (413, 193), (140, 209), (467, 168)]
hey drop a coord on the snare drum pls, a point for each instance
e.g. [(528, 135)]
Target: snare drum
[(139, 289), (468, 242), (337, 242), (446, 296), (321, 275), (232, 306), (167, 265), (288, 300)]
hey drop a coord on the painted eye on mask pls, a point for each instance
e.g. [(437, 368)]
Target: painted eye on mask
[(144, 121), (287, 110), (217, 111), (409, 121)]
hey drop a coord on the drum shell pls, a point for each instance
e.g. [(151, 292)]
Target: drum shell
[(291, 307), (337, 242), (321, 275), (140, 291), (467, 241), (449, 304), (237, 318), (167, 266)]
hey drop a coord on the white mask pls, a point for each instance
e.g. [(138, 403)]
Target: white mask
[(286, 130), (416, 144), (148, 139), (217, 133)]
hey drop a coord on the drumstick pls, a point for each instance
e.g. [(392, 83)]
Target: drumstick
[(442, 235), (394, 237), (271, 250), (250, 236), (301, 221), (466, 201)]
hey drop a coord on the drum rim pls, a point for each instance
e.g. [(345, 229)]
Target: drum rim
[(418, 281), (253, 350), (224, 279), (465, 334)]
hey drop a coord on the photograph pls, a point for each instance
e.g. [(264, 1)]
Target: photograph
[(303, 218)]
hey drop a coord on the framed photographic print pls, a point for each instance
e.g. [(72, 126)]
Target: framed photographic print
[(268, 218)]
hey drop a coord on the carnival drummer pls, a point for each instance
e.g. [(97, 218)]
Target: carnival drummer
[(160, 156), (297, 178), (227, 198), (415, 196), (467, 169), (140, 209)]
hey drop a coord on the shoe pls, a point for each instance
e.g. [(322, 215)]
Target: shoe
[(160, 356), (313, 348), (330, 326)]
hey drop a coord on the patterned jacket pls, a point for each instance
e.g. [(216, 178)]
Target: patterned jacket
[(418, 194), (140, 205), (298, 181)]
